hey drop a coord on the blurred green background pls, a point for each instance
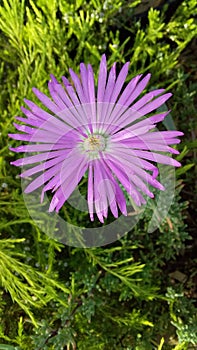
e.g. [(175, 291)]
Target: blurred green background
[(138, 293)]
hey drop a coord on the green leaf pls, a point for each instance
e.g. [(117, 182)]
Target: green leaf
[(161, 344), (184, 169)]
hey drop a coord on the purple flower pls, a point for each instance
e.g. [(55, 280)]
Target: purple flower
[(106, 133)]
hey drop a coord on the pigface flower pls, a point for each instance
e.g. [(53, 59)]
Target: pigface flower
[(108, 133)]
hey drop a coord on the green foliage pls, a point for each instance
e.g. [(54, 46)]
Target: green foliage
[(116, 297), (184, 319), (26, 285)]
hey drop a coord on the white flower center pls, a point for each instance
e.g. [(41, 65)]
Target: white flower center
[(94, 144)]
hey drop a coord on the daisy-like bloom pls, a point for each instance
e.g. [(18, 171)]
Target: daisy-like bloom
[(106, 133)]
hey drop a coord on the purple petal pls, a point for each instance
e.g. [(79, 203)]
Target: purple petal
[(90, 193), (78, 86), (67, 187), (53, 79), (119, 82), (141, 185), (20, 137), (128, 91), (124, 179), (100, 198), (24, 128), (46, 101), (128, 116), (29, 121), (59, 102), (91, 84), (154, 104), (128, 133), (121, 105), (92, 105), (155, 136), (110, 84), (102, 79), (158, 158), (140, 87), (42, 167), (38, 158), (148, 121), (62, 93), (123, 157), (73, 96), (41, 179), (120, 199), (38, 113), (110, 190), (84, 80), (146, 98), (139, 144)]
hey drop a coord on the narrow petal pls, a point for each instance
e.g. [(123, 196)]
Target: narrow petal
[(119, 82), (98, 192), (110, 84), (62, 93), (113, 95), (39, 112), (126, 160), (150, 146), (128, 133), (109, 188), (125, 181), (42, 179), (91, 84), (38, 158), (20, 137), (128, 91), (24, 128), (29, 121), (162, 134), (157, 102), (147, 121), (139, 88), (121, 106), (90, 192), (67, 187), (146, 98), (70, 165), (120, 199), (92, 105), (158, 158), (46, 165), (102, 77), (36, 112), (46, 101), (78, 86), (53, 79), (141, 185), (101, 203), (59, 102), (84, 80)]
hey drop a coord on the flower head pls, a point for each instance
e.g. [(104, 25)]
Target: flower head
[(106, 133)]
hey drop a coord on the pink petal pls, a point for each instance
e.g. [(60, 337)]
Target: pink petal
[(119, 82), (90, 193), (158, 158), (46, 101), (38, 158), (102, 77)]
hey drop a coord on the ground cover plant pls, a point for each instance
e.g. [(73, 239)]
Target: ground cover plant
[(138, 293)]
